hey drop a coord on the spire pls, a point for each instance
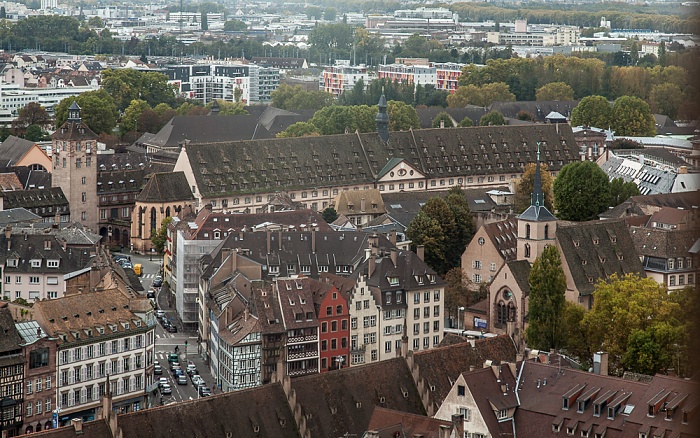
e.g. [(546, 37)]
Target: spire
[(382, 119), (537, 197)]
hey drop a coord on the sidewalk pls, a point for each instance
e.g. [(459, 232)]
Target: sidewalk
[(165, 302)]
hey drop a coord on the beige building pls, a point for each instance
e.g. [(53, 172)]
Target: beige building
[(75, 167), (492, 245), (359, 206), (15, 151)]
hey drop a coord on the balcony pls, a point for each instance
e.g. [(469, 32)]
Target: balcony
[(302, 355), (297, 373), (300, 339)]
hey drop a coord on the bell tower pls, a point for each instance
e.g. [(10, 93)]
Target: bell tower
[(382, 119), (537, 226)]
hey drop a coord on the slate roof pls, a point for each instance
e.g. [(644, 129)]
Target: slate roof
[(521, 273), (35, 198), (487, 390), (13, 149), (74, 314), (636, 205), (663, 244), (74, 130), (538, 109), (595, 250), (504, 236), (222, 169), (343, 401), (649, 179), (73, 234), (669, 216), (663, 156), (166, 187), (296, 297), (30, 179), (17, 216), (10, 340), (440, 367), (390, 424)]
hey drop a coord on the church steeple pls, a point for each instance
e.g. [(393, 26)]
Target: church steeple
[(537, 197), (382, 119)]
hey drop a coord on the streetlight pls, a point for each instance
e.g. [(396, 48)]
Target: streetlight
[(379, 330), (340, 360), (459, 309), (150, 255)]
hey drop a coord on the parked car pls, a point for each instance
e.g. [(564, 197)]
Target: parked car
[(166, 389), (204, 391), (151, 293), (196, 379), (181, 380), (191, 369), (160, 313), (162, 381), (157, 282), (158, 370), (171, 328), (172, 357)]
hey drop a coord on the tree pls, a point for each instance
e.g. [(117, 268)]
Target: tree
[(129, 121), (662, 53), (547, 298), (581, 191), (625, 143), (524, 115), (637, 322), (98, 110), (463, 230), (329, 215), (426, 231), (31, 114), (299, 129), (160, 236), (229, 108), (204, 23), (295, 98), (96, 21), (632, 116), (235, 26), (329, 14), (492, 118), (621, 190), (125, 85), (337, 119), (466, 122), (456, 291), (445, 119), (526, 185), (34, 133), (402, 117), (555, 91), (480, 95), (577, 342), (666, 99), (592, 111)]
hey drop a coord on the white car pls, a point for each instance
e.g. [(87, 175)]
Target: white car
[(197, 380), (162, 381), (166, 389)]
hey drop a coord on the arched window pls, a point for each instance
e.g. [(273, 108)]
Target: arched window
[(502, 313), (48, 425), (29, 429), (154, 225), (527, 231), (167, 211), (38, 427), (511, 311), (527, 249), (546, 231)]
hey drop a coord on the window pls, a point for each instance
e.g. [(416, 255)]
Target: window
[(324, 345), (334, 326), (339, 310), (358, 305), (365, 304), (34, 280), (436, 295), (387, 347), (48, 382), (29, 386), (461, 391), (672, 280), (426, 342), (38, 385), (329, 310), (492, 268), (416, 313), (476, 264), (436, 326), (416, 298), (18, 279), (388, 297), (52, 264), (426, 312), (353, 323), (476, 278)]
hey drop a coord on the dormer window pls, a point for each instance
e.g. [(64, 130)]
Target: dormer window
[(393, 281), (36, 263), (11, 263), (431, 278), (52, 263), (419, 279)]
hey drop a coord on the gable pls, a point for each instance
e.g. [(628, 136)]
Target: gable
[(399, 170)]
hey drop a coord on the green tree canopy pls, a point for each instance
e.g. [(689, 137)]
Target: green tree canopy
[(492, 118), (299, 129), (129, 121), (98, 110), (547, 298), (426, 231), (555, 91), (463, 231), (581, 191), (125, 85), (160, 236), (336, 119), (31, 114), (329, 215), (235, 26), (445, 118), (34, 133), (666, 99), (466, 122), (229, 108), (402, 117), (592, 111), (295, 98), (621, 190), (525, 187), (637, 322), (483, 95), (632, 116)]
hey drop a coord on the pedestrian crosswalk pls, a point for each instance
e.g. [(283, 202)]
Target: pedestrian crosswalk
[(165, 335), (163, 356), (147, 276)]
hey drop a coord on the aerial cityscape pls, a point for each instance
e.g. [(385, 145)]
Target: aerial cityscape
[(369, 219)]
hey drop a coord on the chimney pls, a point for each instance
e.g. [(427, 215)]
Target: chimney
[(458, 424), (374, 243), (313, 240), (370, 266), (77, 424), (279, 237), (445, 431), (246, 314), (362, 205), (392, 237), (420, 252), (8, 236), (234, 260), (368, 253), (47, 244), (394, 256), (600, 363), (268, 240), (57, 219)]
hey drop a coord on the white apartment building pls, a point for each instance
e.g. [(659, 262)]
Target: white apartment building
[(411, 74), (13, 98), (100, 338)]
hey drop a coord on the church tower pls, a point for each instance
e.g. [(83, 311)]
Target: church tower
[(537, 226), (382, 119), (74, 148)]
